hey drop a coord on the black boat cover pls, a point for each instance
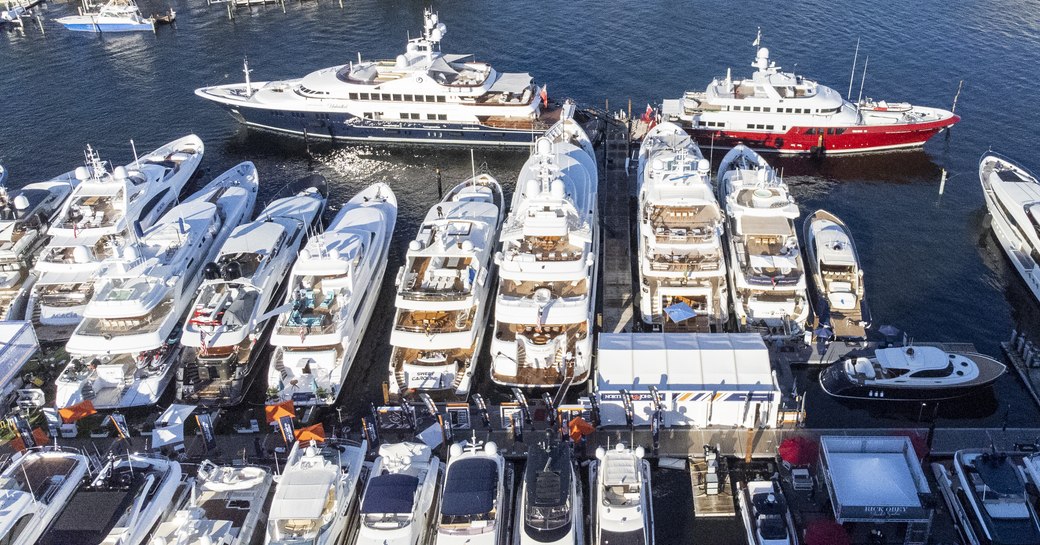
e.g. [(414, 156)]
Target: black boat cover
[(394, 493), (470, 488)]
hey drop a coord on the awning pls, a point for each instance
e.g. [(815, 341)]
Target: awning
[(765, 225), (512, 83), (169, 428)]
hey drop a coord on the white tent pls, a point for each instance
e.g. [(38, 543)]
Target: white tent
[(704, 378), (169, 428), (18, 345)]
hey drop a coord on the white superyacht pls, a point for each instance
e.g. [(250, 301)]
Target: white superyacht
[(681, 260), (125, 348), (1013, 199), (100, 217), (331, 294), (477, 499), (397, 507), (767, 276), (442, 292), (547, 266), (620, 497)]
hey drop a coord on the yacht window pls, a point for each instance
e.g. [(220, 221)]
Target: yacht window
[(431, 116), (386, 96), (757, 109), (934, 373), (431, 98), (415, 116), (364, 96), (442, 117), (404, 116), (352, 96), (440, 98), (420, 98), (408, 98), (397, 97), (769, 127), (766, 109), (16, 530)]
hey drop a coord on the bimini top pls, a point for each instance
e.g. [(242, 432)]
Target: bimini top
[(470, 488), (301, 494), (391, 493)]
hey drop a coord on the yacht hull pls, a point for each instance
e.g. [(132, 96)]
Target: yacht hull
[(101, 28), (836, 383), (1015, 247)]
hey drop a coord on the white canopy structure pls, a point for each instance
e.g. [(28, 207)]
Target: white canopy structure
[(704, 379), (169, 428), (18, 345)]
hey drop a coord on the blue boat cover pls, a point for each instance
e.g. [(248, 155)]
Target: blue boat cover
[(393, 493), (470, 488)]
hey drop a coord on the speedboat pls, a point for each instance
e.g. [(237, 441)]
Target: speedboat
[(1013, 199), (114, 16), (25, 216), (550, 509), (767, 519), (988, 496), (909, 373), (784, 112), (837, 274), (621, 502), (331, 294), (34, 489), (422, 96), (125, 348), (397, 507), (476, 498), (767, 278), (315, 492), (442, 292), (548, 266), (102, 215), (681, 260), (225, 508), (231, 316), (121, 505)]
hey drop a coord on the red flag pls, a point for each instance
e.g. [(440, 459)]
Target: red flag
[(544, 93), (648, 115)]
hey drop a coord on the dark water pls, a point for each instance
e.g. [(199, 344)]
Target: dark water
[(933, 268)]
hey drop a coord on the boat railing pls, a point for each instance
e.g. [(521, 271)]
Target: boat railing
[(684, 264), (419, 295)]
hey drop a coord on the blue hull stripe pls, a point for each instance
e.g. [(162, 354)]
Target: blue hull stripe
[(106, 28)]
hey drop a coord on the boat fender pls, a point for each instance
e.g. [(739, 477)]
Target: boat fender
[(779, 143)]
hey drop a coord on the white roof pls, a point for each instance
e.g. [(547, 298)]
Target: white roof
[(17, 345), (874, 471), (683, 361), (301, 494), (512, 83), (253, 237), (833, 245)]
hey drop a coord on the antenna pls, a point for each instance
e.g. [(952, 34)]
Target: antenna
[(28, 482), (472, 162), (246, 71), (137, 161), (852, 74), (863, 80)]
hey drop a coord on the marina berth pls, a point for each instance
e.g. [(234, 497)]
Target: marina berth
[(225, 508), (1013, 198), (113, 16), (621, 502), (442, 292), (232, 315), (330, 296), (767, 277), (765, 514), (837, 275), (477, 498), (99, 219), (315, 493), (550, 508), (681, 260), (548, 265), (34, 488), (122, 504), (784, 112), (397, 507), (125, 348), (422, 96)]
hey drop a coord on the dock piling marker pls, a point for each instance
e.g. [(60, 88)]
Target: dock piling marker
[(942, 182)]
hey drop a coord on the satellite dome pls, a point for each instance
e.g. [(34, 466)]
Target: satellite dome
[(21, 202), (80, 254), (544, 146), (491, 448), (415, 245), (120, 173), (703, 165), (82, 173), (467, 246)]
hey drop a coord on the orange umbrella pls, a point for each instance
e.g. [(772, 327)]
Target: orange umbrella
[(276, 411), (311, 433), (77, 412), (579, 428)]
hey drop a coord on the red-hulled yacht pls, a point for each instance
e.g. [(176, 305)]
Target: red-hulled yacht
[(787, 113)]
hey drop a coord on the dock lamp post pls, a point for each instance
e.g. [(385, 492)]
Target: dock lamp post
[(525, 410), (656, 419), (431, 407), (594, 410), (551, 417), (482, 410)]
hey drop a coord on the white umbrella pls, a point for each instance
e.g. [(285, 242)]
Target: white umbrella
[(169, 428)]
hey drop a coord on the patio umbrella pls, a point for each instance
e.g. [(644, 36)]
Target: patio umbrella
[(579, 428), (799, 450), (77, 412), (311, 433), (680, 312), (278, 410), (169, 428)]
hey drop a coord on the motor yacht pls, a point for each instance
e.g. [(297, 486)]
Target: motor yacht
[(397, 507), (838, 276), (230, 319), (331, 293), (767, 278), (767, 518), (121, 505), (225, 508), (550, 507), (102, 215), (548, 266), (315, 493), (442, 292), (34, 488), (1013, 199), (681, 260), (113, 16), (621, 504), (477, 497), (909, 373), (124, 350)]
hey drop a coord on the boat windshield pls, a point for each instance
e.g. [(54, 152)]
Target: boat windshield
[(296, 528)]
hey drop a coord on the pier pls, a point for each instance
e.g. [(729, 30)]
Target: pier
[(617, 180)]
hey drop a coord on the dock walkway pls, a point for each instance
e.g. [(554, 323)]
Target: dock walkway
[(615, 202)]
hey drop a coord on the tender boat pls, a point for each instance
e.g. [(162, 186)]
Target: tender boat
[(988, 496), (101, 216), (837, 274), (767, 519), (315, 493), (331, 294), (26, 215), (909, 373), (442, 292), (124, 350), (114, 16), (548, 266), (681, 260), (422, 96), (1013, 199), (398, 503), (34, 489), (550, 509), (225, 508), (767, 278), (477, 497), (621, 501), (788, 113), (121, 505), (230, 319)]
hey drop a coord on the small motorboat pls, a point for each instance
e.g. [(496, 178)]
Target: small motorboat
[(115, 16), (838, 275), (621, 500), (550, 510), (767, 519), (909, 373), (398, 503), (476, 498)]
